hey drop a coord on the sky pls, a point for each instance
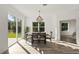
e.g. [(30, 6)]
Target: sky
[(11, 18)]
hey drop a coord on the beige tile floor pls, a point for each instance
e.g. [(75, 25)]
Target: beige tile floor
[(16, 49)]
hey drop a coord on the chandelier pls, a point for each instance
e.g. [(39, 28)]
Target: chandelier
[(39, 18)]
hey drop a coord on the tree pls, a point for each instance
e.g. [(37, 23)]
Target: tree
[(9, 25)]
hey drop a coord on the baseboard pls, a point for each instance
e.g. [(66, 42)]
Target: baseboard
[(6, 52)]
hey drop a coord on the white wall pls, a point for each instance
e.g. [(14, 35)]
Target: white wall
[(71, 27), (3, 28), (77, 31), (4, 11)]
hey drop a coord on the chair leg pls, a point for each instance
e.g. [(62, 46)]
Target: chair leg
[(38, 41), (44, 41), (50, 39), (32, 41)]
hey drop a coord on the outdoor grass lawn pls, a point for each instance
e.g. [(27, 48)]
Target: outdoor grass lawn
[(11, 35)]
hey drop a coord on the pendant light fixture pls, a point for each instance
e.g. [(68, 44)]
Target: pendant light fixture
[(39, 18)]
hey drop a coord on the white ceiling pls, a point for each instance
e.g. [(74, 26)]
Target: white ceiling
[(28, 9)]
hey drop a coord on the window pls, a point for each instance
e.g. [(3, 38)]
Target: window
[(35, 26), (41, 26), (38, 26), (64, 26)]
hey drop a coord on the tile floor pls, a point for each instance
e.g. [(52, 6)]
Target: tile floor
[(16, 49)]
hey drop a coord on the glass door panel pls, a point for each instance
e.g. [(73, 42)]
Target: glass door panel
[(19, 28), (11, 30)]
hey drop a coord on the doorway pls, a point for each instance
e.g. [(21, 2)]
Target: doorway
[(14, 29), (68, 31)]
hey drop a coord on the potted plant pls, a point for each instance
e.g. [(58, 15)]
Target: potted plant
[(27, 29)]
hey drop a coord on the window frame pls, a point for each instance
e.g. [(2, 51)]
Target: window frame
[(38, 27), (65, 26)]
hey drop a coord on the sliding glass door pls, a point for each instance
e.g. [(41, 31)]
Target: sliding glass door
[(14, 29), (19, 28), (11, 30)]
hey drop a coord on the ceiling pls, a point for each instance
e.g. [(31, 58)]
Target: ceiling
[(28, 9)]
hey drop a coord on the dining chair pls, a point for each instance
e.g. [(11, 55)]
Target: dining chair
[(43, 37), (34, 37)]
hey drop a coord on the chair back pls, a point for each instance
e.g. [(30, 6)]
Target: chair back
[(42, 36), (34, 36)]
